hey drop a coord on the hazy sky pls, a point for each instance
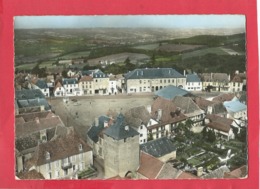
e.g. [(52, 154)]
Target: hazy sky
[(161, 21)]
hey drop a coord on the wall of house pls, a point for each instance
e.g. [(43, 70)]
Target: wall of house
[(59, 92), (235, 86), (87, 87), (46, 92), (112, 88), (120, 156), (101, 84), (142, 130), (75, 163), (152, 85), (193, 86)]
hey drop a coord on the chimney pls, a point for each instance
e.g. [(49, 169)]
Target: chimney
[(149, 108), (199, 171), (159, 116), (42, 108), (96, 122), (137, 73), (37, 120), (184, 72), (105, 124)]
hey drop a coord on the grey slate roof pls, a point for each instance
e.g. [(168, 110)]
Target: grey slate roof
[(158, 147), (94, 73), (41, 84), (118, 129), (151, 73), (31, 98), (95, 130), (214, 77), (28, 94), (193, 78), (69, 81), (171, 91)]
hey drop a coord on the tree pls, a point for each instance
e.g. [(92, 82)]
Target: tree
[(64, 74)]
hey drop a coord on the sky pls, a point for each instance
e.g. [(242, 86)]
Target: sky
[(153, 21)]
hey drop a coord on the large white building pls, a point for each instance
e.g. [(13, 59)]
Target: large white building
[(153, 79), (193, 83)]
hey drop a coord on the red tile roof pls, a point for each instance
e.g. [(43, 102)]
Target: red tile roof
[(219, 123), (241, 172), (224, 97), (86, 78), (33, 174), (185, 175), (150, 167)]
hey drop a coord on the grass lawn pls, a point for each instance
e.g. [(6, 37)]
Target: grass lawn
[(25, 66), (147, 47)]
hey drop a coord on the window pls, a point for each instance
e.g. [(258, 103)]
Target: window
[(80, 147), (141, 127), (141, 135), (169, 81), (140, 81), (47, 156), (160, 81), (48, 167), (57, 164)]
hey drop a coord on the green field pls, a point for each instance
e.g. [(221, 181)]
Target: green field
[(147, 47), (75, 55), (26, 66), (201, 52)]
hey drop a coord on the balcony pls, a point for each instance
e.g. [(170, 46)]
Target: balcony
[(65, 166)]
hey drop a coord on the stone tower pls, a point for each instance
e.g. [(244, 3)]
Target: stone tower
[(121, 149)]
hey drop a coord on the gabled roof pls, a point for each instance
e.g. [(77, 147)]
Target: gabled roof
[(218, 108), (218, 173), (153, 73), (86, 78), (30, 175), (27, 94), (224, 97), (170, 112), (29, 127), (187, 105), (137, 116), (150, 166), (69, 81), (41, 84), (219, 123), (59, 148), (171, 91), (234, 106), (193, 78), (240, 172), (29, 103), (95, 130), (203, 103), (168, 172), (186, 175), (214, 77), (58, 84), (120, 129), (159, 147), (239, 78)]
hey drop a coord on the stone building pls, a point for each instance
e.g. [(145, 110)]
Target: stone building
[(153, 79), (86, 85), (121, 149)]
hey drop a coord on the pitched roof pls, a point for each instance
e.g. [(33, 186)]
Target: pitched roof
[(219, 123), (202, 103), (95, 130), (234, 106), (152, 73), (120, 130), (218, 108), (187, 105), (214, 77), (240, 172), (159, 147), (186, 175), (58, 85), (27, 94), (41, 84), (30, 103), (69, 81), (168, 172), (59, 148), (239, 78), (218, 173), (224, 97), (170, 112), (171, 91), (31, 116), (29, 127), (33, 174), (86, 78), (150, 166), (193, 78), (137, 116)]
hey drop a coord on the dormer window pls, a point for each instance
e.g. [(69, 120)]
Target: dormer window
[(80, 147), (47, 156)]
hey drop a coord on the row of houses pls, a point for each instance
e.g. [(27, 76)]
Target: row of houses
[(95, 82), (123, 141)]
